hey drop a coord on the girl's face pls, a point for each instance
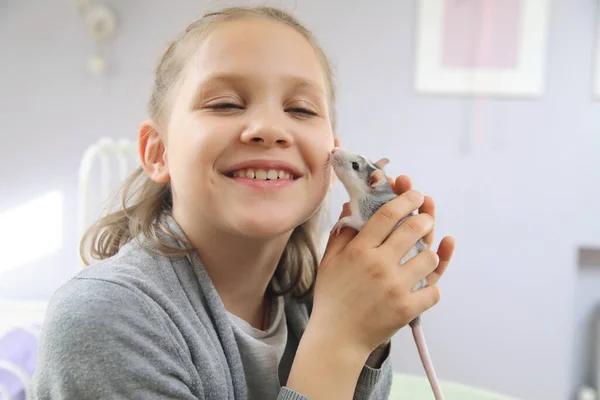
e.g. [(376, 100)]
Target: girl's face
[(249, 135)]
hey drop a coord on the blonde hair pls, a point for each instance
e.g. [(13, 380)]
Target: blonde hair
[(146, 205)]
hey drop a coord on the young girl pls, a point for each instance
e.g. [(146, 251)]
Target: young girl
[(208, 285)]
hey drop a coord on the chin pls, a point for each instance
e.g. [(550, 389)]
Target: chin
[(265, 229), (269, 223)]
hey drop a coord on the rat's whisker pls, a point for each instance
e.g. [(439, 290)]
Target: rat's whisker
[(328, 164)]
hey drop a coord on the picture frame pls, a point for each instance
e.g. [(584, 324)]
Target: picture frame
[(482, 47)]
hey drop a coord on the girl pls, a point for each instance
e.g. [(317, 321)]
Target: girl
[(209, 271)]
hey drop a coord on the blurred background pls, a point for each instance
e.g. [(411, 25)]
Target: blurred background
[(491, 107)]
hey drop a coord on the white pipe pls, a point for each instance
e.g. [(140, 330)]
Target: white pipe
[(85, 167), (127, 149), (105, 171), (102, 150)]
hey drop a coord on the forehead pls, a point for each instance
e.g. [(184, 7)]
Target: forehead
[(257, 48)]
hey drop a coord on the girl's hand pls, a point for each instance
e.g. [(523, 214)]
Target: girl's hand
[(445, 250), (363, 296), (401, 185)]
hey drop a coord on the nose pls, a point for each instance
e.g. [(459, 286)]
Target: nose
[(268, 133)]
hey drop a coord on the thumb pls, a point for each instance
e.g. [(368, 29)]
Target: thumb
[(337, 243)]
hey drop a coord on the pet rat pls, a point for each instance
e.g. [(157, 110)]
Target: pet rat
[(369, 189)]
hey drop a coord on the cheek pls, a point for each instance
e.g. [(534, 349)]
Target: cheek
[(195, 143), (191, 153), (316, 149)]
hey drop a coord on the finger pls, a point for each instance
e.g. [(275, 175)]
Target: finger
[(445, 252), (428, 207), (381, 224), (418, 267), (425, 298), (402, 185), (345, 210), (405, 236), (336, 243)]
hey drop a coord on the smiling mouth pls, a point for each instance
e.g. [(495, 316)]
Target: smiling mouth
[(262, 174)]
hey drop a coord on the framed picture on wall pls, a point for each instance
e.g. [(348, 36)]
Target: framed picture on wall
[(482, 47)]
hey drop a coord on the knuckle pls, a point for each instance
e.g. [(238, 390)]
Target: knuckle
[(389, 211), (429, 220), (403, 309), (420, 223), (393, 292), (431, 257), (413, 225), (377, 269), (355, 252)]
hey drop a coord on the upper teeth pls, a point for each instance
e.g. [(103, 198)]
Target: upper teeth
[(263, 174)]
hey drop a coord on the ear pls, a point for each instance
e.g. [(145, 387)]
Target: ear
[(152, 153), (376, 178), (336, 143), (382, 163)]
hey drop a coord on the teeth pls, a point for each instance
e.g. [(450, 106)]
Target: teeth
[(271, 174)]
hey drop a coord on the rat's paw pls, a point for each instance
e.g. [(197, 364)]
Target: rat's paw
[(344, 222)]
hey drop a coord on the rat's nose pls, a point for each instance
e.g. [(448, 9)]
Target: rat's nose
[(333, 151)]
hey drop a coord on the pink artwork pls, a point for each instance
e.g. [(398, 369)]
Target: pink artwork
[(481, 33), (482, 47)]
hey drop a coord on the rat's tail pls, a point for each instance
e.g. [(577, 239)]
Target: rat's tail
[(417, 331)]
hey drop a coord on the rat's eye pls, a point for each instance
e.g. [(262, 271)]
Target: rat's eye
[(355, 165)]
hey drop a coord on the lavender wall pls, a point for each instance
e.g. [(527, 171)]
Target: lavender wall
[(519, 204)]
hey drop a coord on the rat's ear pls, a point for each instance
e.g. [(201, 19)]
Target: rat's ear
[(382, 163), (152, 153), (376, 178)]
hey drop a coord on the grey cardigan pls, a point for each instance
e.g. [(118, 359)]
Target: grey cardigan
[(142, 326)]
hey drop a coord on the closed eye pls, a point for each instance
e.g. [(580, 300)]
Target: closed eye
[(229, 106), (224, 106), (302, 111)]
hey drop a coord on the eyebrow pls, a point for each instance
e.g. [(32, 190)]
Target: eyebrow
[(237, 80), (211, 81)]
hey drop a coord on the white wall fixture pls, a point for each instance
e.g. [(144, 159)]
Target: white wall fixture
[(481, 47), (101, 22)]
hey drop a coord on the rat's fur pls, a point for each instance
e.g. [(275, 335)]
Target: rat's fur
[(369, 189)]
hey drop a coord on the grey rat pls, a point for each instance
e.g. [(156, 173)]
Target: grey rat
[(369, 189)]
